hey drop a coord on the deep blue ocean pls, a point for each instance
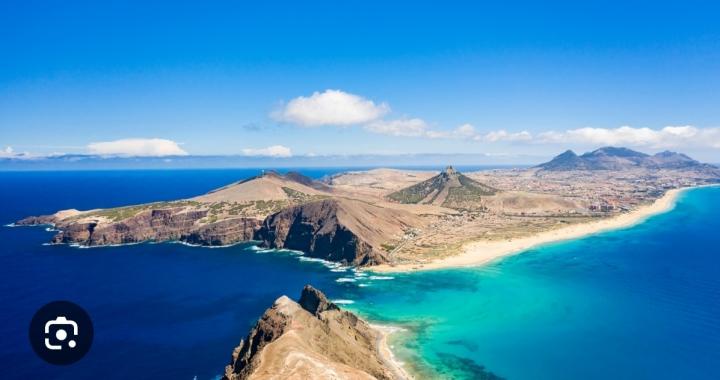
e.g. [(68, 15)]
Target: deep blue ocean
[(640, 303)]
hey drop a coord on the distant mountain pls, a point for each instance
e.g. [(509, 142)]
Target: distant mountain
[(449, 188), (612, 158)]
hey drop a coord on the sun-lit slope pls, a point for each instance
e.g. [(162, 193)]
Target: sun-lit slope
[(377, 182), (340, 229), (520, 202), (269, 186)]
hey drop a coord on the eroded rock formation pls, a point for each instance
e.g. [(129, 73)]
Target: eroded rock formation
[(339, 230), (312, 339)]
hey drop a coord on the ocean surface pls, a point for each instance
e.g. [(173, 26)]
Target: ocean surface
[(640, 303)]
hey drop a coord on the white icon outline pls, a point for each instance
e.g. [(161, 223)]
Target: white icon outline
[(62, 321)]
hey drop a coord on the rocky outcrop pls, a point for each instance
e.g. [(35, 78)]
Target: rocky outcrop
[(347, 231), (224, 232), (312, 339), (37, 220), (150, 225)]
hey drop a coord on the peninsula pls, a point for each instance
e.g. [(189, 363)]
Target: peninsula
[(312, 339), (395, 220)]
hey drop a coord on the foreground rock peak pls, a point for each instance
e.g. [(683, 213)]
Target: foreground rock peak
[(312, 339), (314, 301)]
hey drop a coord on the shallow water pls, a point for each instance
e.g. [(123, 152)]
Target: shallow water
[(638, 303)]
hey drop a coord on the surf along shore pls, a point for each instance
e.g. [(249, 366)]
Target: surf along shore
[(478, 253)]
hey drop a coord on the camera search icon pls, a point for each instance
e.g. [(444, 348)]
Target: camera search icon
[(61, 332)]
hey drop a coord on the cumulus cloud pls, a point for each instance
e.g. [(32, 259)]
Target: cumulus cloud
[(137, 147), (331, 107), (271, 151), (668, 137)]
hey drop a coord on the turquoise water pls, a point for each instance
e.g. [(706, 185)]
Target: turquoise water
[(641, 303)]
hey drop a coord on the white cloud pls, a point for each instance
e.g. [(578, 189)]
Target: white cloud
[(503, 135), (137, 147), (335, 107), (271, 151), (418, 128), (668, 137), (331, 107), (7, 152), (465, 130), (400, 127)]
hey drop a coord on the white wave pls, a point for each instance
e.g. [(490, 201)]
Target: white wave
[(291, 251), (197, 245), (264, 250), (82, 246), (363, 285), (311, 259), (345, 279), (339, 269), (328, 264), (10, 225), (343, 302), (381, 278)]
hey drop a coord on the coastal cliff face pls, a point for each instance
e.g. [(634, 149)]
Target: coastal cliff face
[(346, 231), (309, 339), (150, 225)]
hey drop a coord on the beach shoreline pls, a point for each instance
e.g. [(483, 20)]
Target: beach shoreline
[(481, 252), (386, 353)]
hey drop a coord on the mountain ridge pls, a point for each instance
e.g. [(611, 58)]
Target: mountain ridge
[(620, 158)]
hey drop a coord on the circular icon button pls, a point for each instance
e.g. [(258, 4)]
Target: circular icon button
[(61, 332)]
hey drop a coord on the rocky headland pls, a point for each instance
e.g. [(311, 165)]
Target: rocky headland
[(311, 339)]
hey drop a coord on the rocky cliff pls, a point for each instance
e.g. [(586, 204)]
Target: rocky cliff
[(148, 225), (341, 230), (310, 339)]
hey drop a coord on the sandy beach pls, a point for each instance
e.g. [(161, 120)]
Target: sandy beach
[(386, 353), (482, 252)]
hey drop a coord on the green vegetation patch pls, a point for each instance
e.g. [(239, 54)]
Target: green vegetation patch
[(468, 194), (388, 247), (122, 213), (295, 195), (418, 192)]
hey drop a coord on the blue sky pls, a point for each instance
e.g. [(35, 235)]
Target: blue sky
[(302, 78)]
